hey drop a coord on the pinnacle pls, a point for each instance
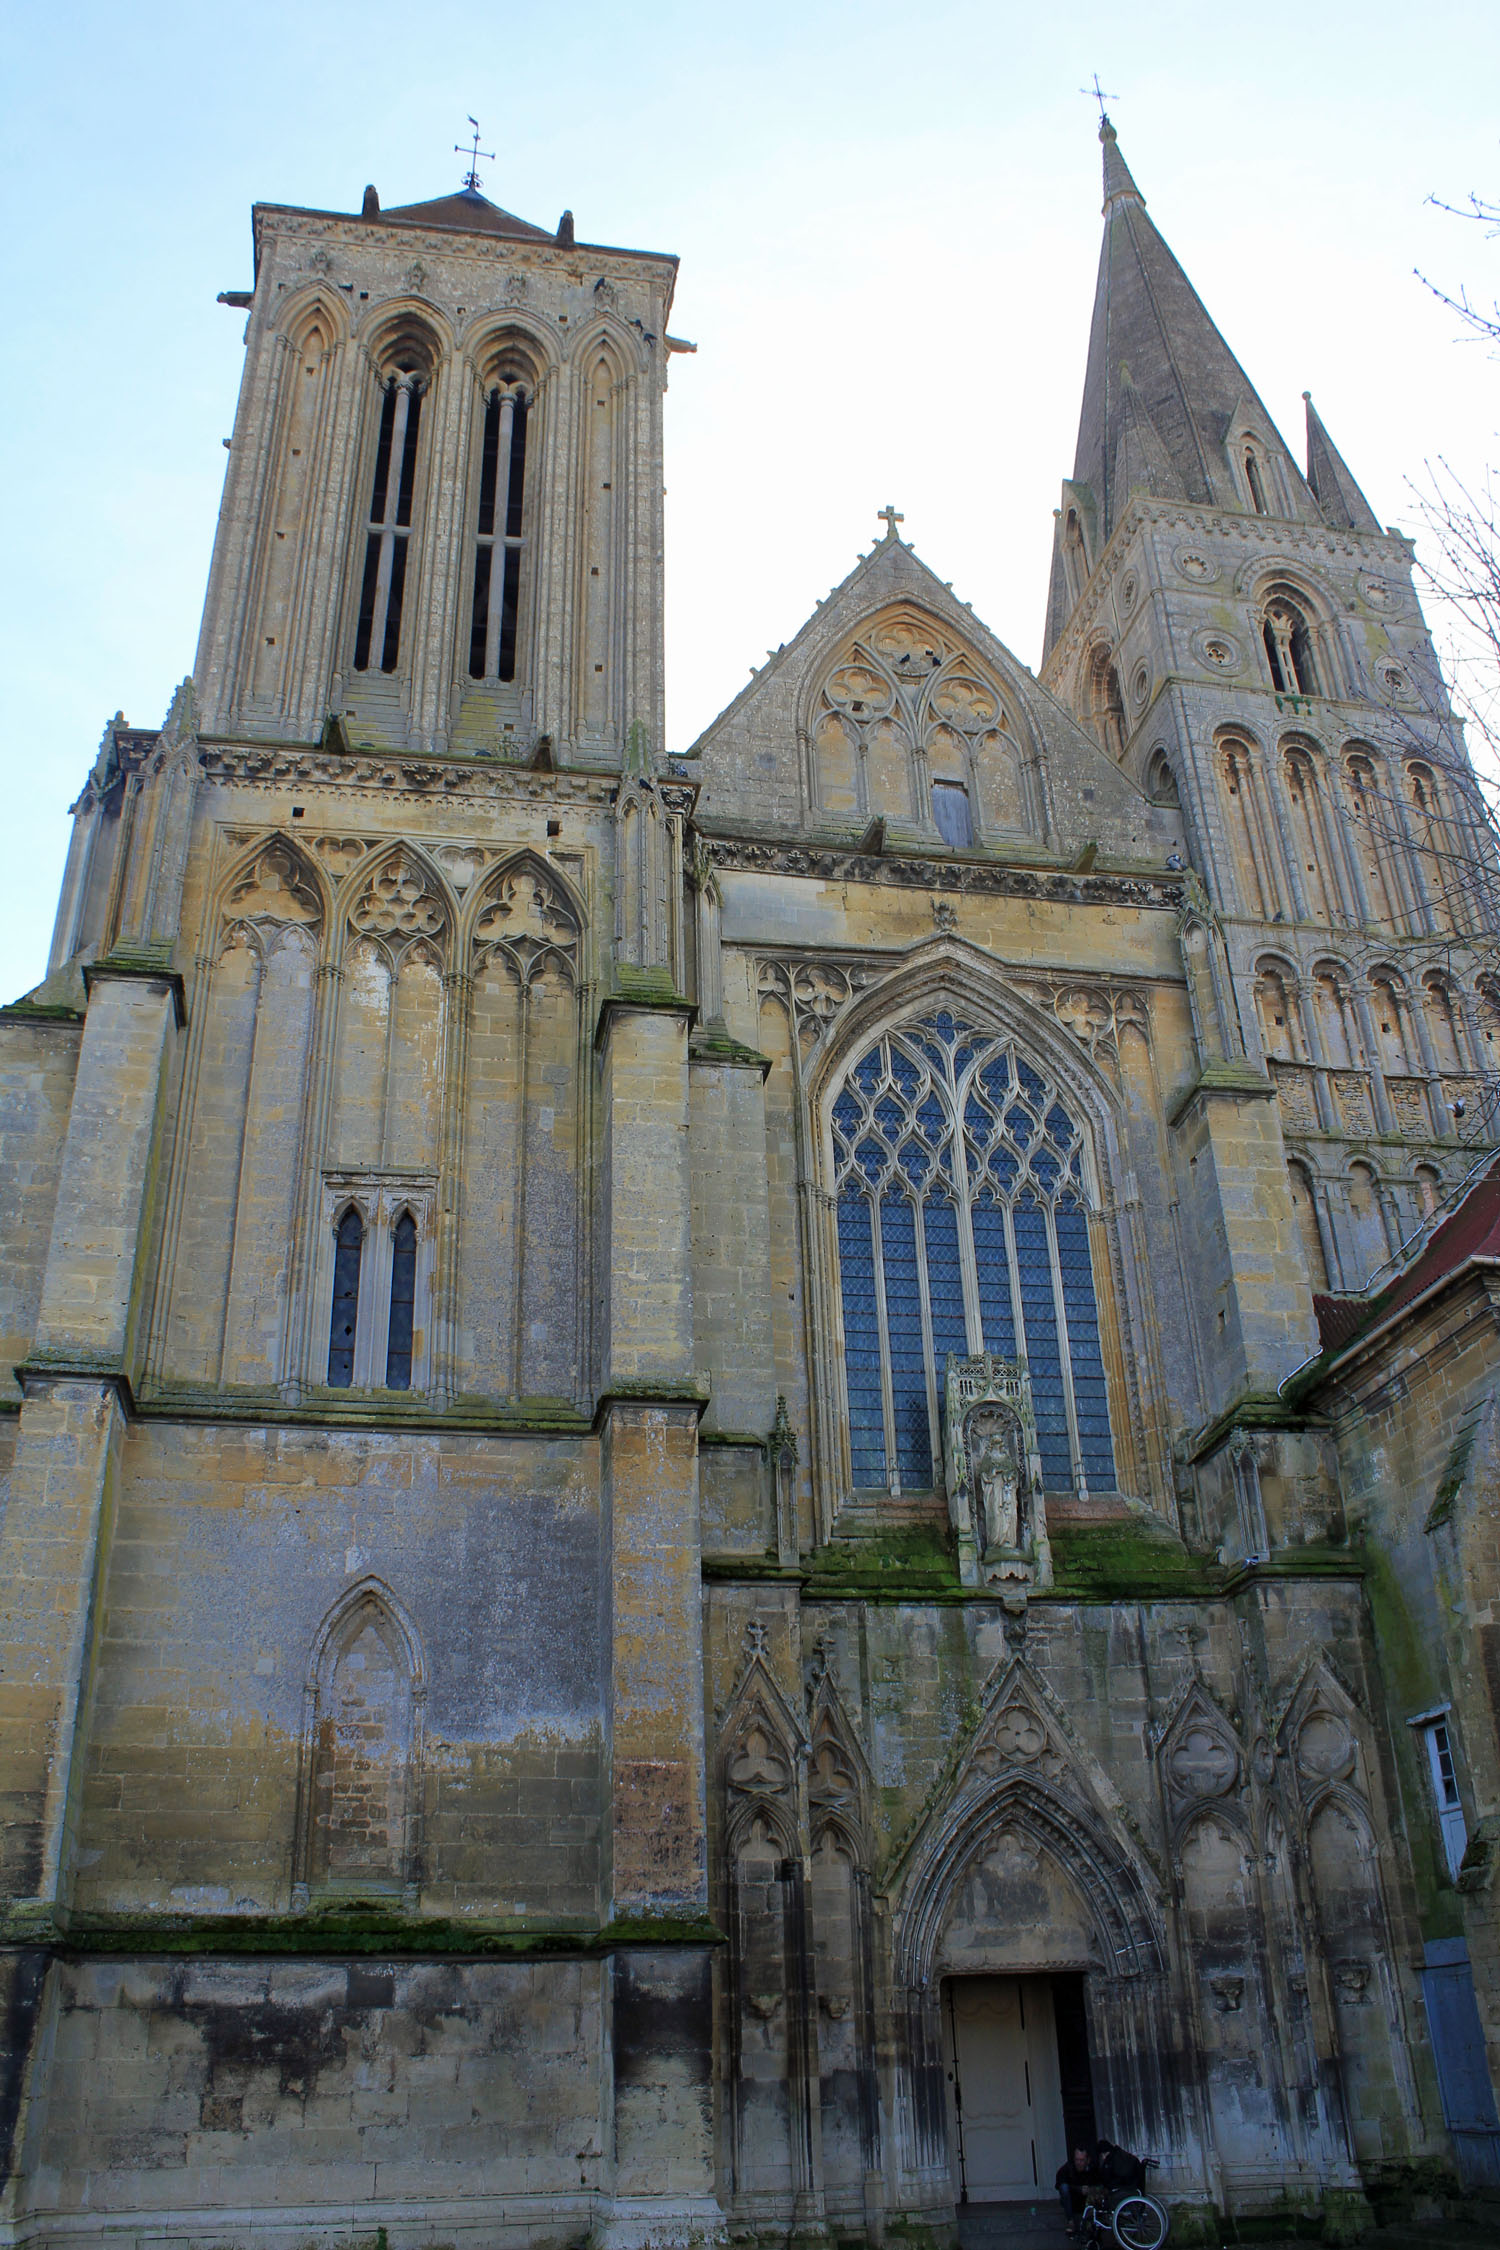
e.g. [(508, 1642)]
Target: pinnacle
[(1117, 179)]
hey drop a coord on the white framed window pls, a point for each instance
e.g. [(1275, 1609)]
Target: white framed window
[(1442, 1772), (375, 1278)]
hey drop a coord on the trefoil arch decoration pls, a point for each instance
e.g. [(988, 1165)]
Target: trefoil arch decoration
[(905, 711)]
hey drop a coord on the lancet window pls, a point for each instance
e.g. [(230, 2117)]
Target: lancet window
[(499, 543), (382, 1279), (1289, 646), (963, 1216), (377, 640)]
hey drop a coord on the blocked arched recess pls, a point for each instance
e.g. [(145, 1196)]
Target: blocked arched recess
[(925, 725), (606, 364), (949, 972), (511, 1275), (391, 944), (359, 1790), (1101, 1912), (237, 1151), (312, 332)]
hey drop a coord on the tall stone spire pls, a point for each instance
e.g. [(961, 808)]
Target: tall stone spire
[(1338, 496), (1183, 385)]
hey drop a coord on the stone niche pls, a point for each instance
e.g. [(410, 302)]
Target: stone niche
[(993, 1466)]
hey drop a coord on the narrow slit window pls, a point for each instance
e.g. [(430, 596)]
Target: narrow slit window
[(349, 1243), (946, 1142), (1257, 487), (950, 810), (377, 640), (1443, 1772), (403, 1304), (499, 542)]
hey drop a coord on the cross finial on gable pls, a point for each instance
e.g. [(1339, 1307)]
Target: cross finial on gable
[(889, 518)]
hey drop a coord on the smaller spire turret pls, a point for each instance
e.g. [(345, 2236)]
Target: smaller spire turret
[(1339, 498)]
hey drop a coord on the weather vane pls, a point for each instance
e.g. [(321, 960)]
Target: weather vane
[(474, 153), (1095, 93)]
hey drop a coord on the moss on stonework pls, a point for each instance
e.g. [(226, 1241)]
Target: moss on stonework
[(1411, 1684), (1135, 1558), (334, 1932), (910, 1559)]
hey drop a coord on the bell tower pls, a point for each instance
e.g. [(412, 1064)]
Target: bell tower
[(1243, 638), (442, 521)]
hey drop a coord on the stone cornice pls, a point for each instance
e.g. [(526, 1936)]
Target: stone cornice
[(389, 231), (399, 775), (830, 863)]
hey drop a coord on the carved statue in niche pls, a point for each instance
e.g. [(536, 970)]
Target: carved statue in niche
[(994, 1474)]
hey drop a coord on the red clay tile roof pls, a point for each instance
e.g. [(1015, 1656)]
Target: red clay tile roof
[(1472, 1231)]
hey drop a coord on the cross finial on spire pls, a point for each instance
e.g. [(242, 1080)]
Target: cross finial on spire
[(890, 518), (1097, 94), (474, 153)]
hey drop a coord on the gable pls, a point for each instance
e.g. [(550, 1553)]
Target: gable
[(892, 692)]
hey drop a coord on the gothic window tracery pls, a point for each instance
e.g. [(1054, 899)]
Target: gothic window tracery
[(963, 1200), (910, 726)]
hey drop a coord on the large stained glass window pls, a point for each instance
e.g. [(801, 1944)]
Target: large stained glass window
[(963, 1226)]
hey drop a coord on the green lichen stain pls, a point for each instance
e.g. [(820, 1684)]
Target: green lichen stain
[(1137, 1559), (1411, 1684), (914, 1559)]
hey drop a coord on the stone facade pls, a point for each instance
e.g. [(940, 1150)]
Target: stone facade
[(521, 1720)]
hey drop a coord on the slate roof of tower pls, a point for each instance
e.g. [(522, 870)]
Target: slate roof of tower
[(470, 211), (1151, 337)]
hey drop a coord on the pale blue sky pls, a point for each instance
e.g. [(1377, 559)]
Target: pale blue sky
[(888, 220)]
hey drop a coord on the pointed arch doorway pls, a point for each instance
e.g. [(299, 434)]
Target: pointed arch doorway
[(1020, 2091)]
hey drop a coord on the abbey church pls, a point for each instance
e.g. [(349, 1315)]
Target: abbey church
[(744, 1485)]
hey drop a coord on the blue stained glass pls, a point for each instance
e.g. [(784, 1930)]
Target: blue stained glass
[(942, 1024), (1003, 1168), (933, 1118), (903, 1321), (978, 1119), (904, 1071), (1090, 1397), (1043, 1349), (1059, 1125), (995, 1079), (962, 1057), (993, 1262), (1045, 1169), (867, 1072), (870, 1157), (1030, 1084), (1020, 1124), (846, 1114), (916, 1161), (945, 1283), (861, 1340), (1075, 1164), (890, 1115)]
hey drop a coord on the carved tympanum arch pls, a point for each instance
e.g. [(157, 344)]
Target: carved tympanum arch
[(905, 708), (1124, 1917), (965, 1149)]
